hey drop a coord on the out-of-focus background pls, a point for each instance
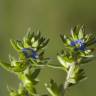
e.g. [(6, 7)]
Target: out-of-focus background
[(52, 17)]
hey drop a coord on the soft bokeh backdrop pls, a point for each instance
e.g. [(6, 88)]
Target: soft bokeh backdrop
[(52, 17)]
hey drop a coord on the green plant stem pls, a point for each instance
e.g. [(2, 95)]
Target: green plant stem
[(69, 73), (50, 66), (55, 67)]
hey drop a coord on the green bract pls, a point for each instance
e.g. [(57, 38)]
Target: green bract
[(54, 89), (31, 40)]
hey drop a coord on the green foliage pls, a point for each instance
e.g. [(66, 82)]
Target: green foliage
[(78, 50)]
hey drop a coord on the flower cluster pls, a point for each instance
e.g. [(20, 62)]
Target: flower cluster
[(79, 43), (79, 48), (30, 55)]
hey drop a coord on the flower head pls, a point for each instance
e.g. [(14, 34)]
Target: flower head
[(80, 43), (30, 53)]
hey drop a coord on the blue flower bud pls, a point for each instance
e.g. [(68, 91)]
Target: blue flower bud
[(72, 43), (30, 53), (80, 43), (82, 47)]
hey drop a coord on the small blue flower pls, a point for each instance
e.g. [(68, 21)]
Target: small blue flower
[(82, 47), (73, 43), (80, 43), (29, 52)]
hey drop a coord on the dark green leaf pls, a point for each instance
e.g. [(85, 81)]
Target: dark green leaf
[(14, 45), (35, 73)]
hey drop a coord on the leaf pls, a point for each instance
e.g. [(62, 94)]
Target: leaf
[(72, 81), (44, 43), (5, 65), (35, 73), (76, 30), (41, 55), (63, 62), (80, 34), (54, 89), (68, 41), (14, 45), (81, 75), (35, 44), (19, 44), (14, 93), (85, 60), (41, 40), (38, 35), (50, 91), (91, 40), (26, 42), (63, 37), (30, 35), (20, 67), (72, 33)]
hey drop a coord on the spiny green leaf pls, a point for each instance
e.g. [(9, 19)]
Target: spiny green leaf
[(35, 44), (80, 34), (54, 89), (19, 44), (38, 35), (35, 73), (44, 43), (5, 65), (14, 45)]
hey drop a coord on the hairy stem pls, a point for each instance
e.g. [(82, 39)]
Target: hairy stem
[(50, 66), (69, 74)]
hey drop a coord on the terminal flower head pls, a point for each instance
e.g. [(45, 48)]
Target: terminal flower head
[(31, 47), (80, 43), (30, 53)]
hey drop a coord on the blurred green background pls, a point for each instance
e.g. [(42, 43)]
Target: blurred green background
[(52, 17)]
